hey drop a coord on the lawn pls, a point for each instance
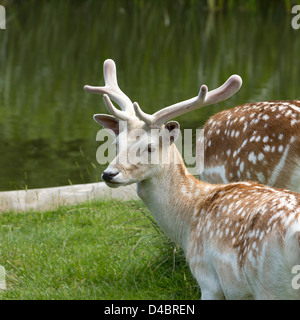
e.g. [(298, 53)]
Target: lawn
[(99, 250)]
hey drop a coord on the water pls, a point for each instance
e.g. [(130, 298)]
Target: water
[(163, 50)]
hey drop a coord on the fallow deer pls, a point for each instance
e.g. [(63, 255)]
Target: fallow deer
[(255, 141), (242, 239)]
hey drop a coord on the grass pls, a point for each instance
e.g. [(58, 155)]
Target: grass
[(100, 250)]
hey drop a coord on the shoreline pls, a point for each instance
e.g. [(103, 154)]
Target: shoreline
[(51, 198)]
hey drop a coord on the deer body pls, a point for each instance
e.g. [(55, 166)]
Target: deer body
[(237, 247), (256, 141), (241, 239)]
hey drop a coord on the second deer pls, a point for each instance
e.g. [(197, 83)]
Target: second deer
[(255, 141)]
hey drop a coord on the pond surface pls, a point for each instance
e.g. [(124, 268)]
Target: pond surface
[(163, 50)]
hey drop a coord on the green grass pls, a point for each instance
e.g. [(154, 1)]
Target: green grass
[(103, 250)]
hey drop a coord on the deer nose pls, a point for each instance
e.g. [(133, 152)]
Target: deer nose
[(107, 176)]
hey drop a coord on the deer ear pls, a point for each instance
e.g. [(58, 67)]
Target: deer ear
[(174, 129), (108, 122)]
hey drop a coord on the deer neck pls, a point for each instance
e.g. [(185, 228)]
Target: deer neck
[(172, 197)]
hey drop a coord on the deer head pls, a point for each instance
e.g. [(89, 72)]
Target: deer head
[(144, 141)]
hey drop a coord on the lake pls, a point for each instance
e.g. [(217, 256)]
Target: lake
[(164, 51)]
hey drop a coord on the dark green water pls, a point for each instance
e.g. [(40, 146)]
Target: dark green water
[(164, 51)]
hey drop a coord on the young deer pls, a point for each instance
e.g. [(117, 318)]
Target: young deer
[(241, 239), (257, 142)]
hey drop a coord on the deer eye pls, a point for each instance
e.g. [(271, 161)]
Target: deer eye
[(151, 148)]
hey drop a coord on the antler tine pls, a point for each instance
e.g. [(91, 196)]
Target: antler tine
[(158, 118), (147, 118), (229, 88), (204, 98), (112, 89), (113, 110)]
